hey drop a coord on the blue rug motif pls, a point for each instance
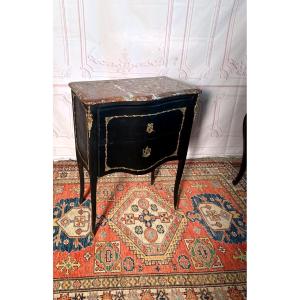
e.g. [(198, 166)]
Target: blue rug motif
[(222, 221)]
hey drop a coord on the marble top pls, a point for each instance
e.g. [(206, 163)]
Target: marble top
[(131, 89)]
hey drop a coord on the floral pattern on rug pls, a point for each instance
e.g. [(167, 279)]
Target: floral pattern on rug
[(144, 249), (220, 219), (147, 224), (71, 225), (205, 293)]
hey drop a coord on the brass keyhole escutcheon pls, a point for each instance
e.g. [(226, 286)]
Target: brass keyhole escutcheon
[(150, 128), (146, 152)]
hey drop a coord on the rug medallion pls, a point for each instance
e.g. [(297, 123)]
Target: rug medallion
[(144, 249)]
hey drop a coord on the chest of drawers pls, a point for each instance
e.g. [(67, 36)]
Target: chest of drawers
[(131, 125)]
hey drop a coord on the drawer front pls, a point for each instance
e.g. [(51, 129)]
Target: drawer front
[(140, 127), (140, 154), (136, 142)]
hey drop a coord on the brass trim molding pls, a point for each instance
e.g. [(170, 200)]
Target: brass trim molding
[(108, 119), (196, 107), (89, 120)]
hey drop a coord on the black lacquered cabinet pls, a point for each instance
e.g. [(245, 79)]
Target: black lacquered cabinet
[(131, 125)]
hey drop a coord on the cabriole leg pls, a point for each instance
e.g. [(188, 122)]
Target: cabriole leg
[(81, 178), (152, 177), (244, 159), (93, 182), (177, 181)]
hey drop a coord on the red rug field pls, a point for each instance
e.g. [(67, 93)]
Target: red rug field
[(144, 249)]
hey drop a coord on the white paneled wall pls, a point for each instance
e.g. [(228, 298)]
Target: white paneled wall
[(198, 41)]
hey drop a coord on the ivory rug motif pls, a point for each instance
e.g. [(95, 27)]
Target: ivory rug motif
[(144, 249)]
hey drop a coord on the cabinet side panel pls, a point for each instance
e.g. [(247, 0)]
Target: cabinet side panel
[(81, 129)]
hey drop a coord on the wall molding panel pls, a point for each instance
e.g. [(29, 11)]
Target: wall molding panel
[(62, 67), (198, 41)]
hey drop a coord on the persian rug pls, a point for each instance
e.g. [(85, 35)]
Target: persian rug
[(144, 249)]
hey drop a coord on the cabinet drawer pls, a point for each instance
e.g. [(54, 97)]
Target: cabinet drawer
[(143, 126), (140, 155)]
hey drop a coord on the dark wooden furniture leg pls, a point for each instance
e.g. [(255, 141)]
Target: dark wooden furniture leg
[(152, 177), (87, 192), (244, 159), (180, 168), (93, 182), (81, 178)]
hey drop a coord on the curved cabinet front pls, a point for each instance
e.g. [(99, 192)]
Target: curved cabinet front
[(139, 138)]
